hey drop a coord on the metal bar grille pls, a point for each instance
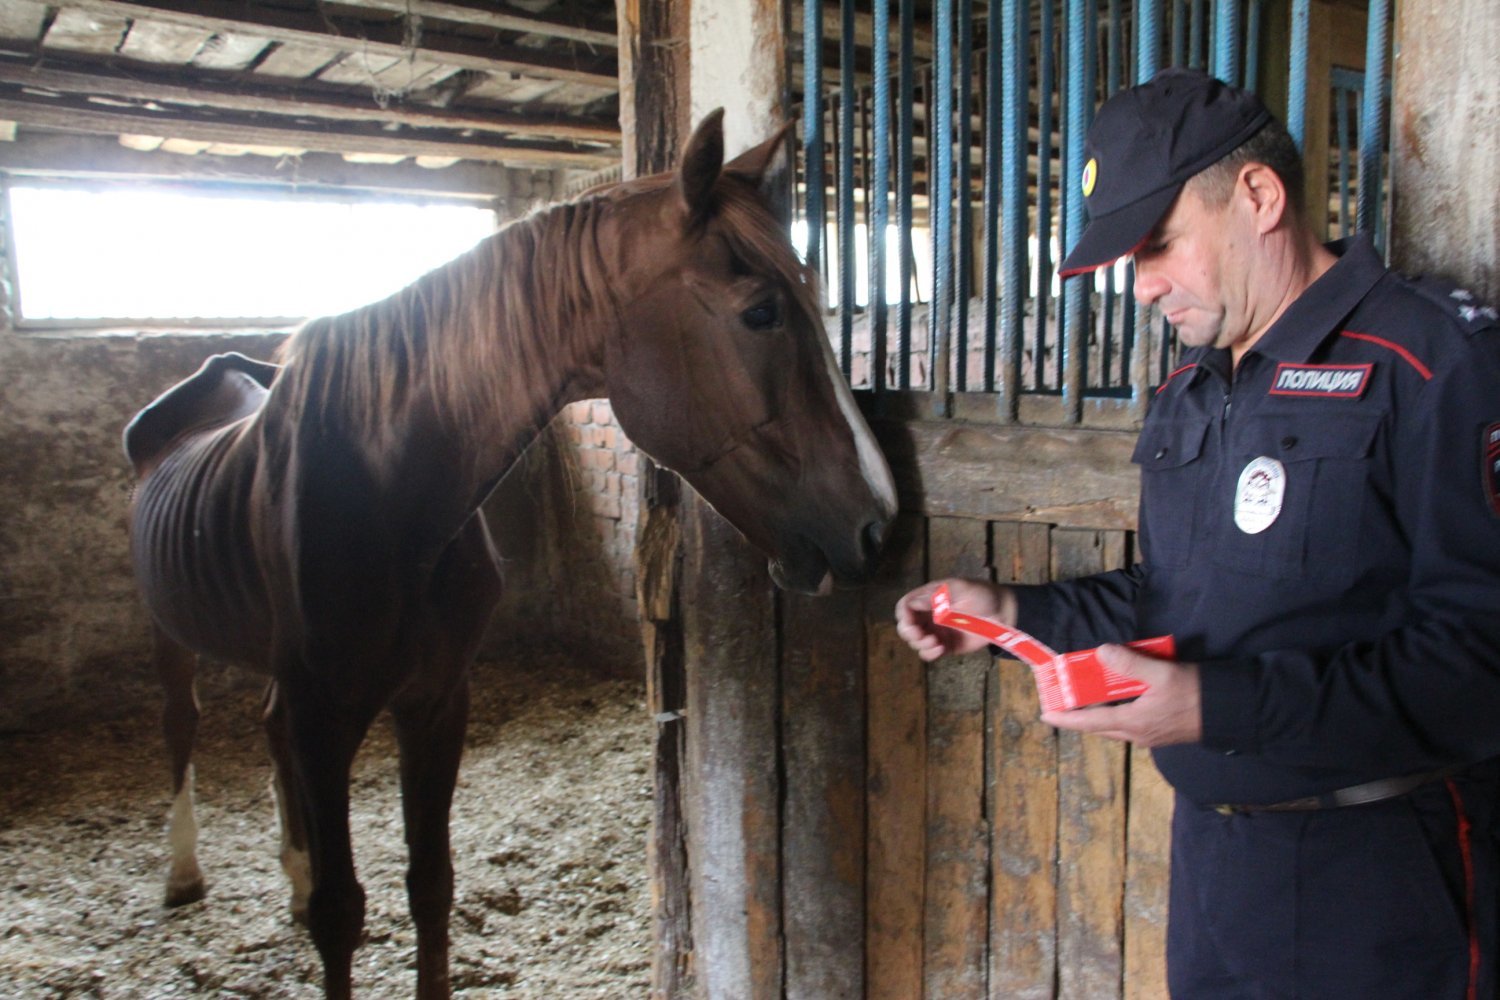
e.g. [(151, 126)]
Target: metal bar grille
[(948, 164)]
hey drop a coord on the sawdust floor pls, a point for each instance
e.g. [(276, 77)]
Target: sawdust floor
[(549, 833)]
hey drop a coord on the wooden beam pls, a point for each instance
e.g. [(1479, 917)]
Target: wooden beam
[(289, 101), (1009, 472), (374, 41), (501, 17), (49, 154), (72, 118)]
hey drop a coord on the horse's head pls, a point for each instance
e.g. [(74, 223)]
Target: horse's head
[(723, 371)]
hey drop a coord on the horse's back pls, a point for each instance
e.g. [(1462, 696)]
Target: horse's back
[(190, 528), (228, 387)]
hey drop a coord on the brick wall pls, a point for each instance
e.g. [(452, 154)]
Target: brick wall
[(565, 523)]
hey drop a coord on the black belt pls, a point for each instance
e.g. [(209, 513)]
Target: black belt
[(1354, 795)]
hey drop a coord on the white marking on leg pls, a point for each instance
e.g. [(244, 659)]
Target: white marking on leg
[(294, 861), (185, 881)]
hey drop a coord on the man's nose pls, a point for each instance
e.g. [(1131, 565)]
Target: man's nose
[(1149, 284)]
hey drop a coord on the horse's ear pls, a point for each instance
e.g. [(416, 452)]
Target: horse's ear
[(702, 162), (769, 167)]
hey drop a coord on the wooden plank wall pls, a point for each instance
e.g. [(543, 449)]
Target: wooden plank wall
[(863, 825), (1004, 859)]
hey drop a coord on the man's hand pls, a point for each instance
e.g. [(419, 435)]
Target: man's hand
[(975, 597), (1169, 713)]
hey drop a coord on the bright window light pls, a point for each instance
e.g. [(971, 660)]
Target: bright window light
[(137, 254)]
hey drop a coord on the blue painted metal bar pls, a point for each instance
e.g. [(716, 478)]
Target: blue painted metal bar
[(1112, 72), (1371, 119), (1148, 35), (1078, 104), (1296, 98), (1227, 41), (846, 153), (964, 278), (905, 169), (812, 130), (1341, 118), (1197, 51), (1047, 87), (1009, 34), (940, 199), (1148, 14), (1179, 33), (994, 134), (1253, 18), (880, 217)]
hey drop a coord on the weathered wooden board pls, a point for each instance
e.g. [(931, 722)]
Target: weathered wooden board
[(1091, 831), (1147, 879), (895, 778), (957, 919), (729, 632), (78, 31), (22, 20), (1007, 473), (1443, 138), (1023, 800), (823, 823), (149, 41)]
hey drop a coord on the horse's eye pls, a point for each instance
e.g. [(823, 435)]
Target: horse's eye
[(761, 317)]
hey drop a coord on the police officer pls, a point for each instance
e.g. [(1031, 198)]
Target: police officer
[(1320, 530)]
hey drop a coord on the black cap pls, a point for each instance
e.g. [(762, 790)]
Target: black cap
[(1144, 145)]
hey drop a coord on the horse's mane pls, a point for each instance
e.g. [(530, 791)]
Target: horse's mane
[(467, 319), (470, 329)]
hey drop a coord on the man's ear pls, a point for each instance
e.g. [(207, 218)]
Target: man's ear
[(702, 162), (1266, 194), (769, 167)]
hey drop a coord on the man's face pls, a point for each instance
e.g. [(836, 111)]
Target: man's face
[(1193, 267)]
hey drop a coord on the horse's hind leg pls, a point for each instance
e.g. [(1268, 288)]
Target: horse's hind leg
[(430, 732), (175, 667), (295, 860), (325, 726)]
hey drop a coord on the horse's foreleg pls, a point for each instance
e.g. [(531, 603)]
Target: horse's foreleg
[(175, 667), (324, 731), (294, 855), (431, 736)]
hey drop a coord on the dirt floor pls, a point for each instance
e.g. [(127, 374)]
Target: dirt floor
[(549, 834)]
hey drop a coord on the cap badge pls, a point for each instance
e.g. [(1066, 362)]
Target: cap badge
[(1090, 175), (1257, 497)]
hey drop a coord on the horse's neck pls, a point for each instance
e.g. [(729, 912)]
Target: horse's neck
[(531, 340), (444, 384)]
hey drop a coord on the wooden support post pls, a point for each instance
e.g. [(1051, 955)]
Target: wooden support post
[(654, 109), (1445, 148)]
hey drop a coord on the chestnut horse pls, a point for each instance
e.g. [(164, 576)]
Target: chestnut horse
[(318, 520)]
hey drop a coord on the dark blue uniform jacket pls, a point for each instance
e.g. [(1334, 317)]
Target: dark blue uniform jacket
[(1320, 530)]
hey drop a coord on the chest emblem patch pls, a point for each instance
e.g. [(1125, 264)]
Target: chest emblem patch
[(1257, 497), (1329, 381), (1491, 469)]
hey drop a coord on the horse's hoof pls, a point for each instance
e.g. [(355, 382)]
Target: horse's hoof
[(188, 892), (299, 914)]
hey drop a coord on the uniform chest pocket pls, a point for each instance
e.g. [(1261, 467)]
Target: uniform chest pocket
[(1290, 496), (1169, 453)]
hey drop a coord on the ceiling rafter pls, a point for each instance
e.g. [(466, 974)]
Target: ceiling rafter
[(387, 40)]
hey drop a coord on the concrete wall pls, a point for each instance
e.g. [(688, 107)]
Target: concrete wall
[(74, 639)]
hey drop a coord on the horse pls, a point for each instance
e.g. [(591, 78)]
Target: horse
[(318, 518)]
